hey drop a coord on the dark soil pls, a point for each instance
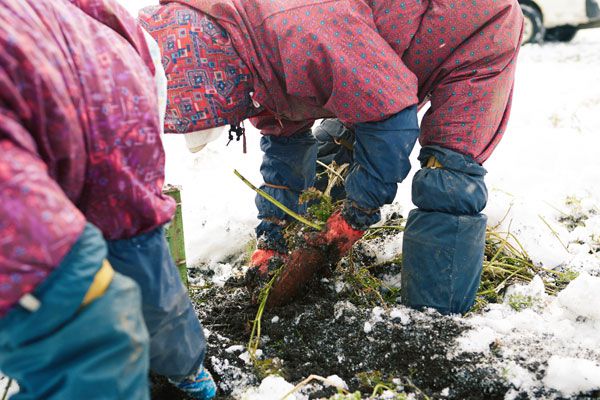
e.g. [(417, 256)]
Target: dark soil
[(323, 333)]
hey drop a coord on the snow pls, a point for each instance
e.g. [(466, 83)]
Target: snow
[(568, 323), (581, 297), (376, 317), (247, 358), (13, 389), (571, 376), (275, 387), (271, 388), (519, 376), (235, 348), (222, 272), (336, 381), (344, 309), (218, 209), (398, 313), (477, 340)]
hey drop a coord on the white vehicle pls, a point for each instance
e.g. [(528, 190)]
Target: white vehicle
[(558, 20)]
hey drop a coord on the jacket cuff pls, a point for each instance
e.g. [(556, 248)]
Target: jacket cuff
[(359, 218), (269, 236)]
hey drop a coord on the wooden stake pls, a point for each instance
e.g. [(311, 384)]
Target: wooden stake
[(175, 235)]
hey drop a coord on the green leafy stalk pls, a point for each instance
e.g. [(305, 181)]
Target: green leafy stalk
[(254, 341), (283, 208)]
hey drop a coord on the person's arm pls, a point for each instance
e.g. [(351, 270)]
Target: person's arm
[(288, 168), (470, 105), (381, 161), (38, 223)]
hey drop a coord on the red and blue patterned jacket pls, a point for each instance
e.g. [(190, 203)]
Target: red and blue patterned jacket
[(366, 60), (79, 134)]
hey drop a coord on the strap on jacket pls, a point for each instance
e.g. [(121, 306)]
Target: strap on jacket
[(101, 282)]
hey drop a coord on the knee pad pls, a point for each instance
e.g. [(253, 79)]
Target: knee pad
[(454, 184)]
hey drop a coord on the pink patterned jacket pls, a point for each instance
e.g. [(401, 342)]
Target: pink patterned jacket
[(365, 60), (79, 134)]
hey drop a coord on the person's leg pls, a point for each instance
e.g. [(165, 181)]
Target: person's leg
[(288, 168), (444, 239), (70, 350), (177, 344), (470, 92)]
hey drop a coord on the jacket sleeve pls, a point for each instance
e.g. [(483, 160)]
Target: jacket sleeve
[(38, 223), (337, 60), (381, 161), (269, 125)]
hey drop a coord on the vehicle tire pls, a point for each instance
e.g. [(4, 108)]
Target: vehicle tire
[(533, 29), (560, 34)]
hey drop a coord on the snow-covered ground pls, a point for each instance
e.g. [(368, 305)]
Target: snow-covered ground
[(546, 168)]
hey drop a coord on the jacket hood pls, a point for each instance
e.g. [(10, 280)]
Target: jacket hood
[(209, 84)]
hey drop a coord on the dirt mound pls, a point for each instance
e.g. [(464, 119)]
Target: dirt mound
[(328, 331)]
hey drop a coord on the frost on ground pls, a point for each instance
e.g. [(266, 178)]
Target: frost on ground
[(531, 347)]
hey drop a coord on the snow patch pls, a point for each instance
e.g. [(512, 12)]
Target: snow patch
[(571, 376), (477, 340), (271, 388), (235, 348), (222, 272), (401, 314), (519, 376), (245, 356), (582, 298), (344, 309), (336, 381)]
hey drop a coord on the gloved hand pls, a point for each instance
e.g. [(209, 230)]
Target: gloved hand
[(335, 143), (200, 386), (270, 253), (381, 160), (339, 236), (321, 249), (263, 260)]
